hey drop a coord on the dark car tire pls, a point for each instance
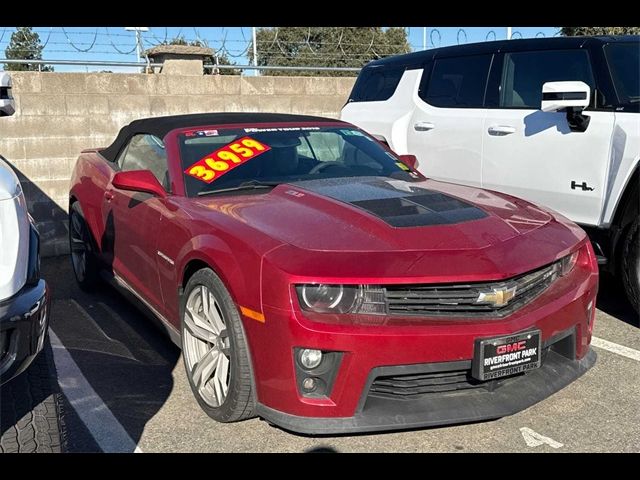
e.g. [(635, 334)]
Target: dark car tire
[(239, 403), (82, 249), (30, 409), (631, 264)]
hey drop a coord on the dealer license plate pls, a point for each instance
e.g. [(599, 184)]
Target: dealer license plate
[(503, 356)]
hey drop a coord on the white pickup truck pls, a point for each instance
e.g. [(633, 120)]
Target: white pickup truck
[(555, 121), (29, 398)]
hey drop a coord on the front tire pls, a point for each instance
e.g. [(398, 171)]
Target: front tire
[(30, 417), (214, 349), (631, 264), (83, 259)]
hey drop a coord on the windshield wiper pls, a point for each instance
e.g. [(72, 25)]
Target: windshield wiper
[(250, 185)]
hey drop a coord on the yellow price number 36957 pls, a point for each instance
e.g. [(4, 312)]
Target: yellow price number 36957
[(226, 158)]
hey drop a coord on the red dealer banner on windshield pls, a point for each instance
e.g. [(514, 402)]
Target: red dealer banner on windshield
[(225, 159)]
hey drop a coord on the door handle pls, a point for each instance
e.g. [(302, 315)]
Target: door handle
[(500, 130), (423, 126), (108, 196)]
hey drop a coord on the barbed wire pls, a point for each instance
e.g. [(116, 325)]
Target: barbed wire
[(135, 46), (233, 42), (435, 30), (458, 36), (83, 50), (166, 36)]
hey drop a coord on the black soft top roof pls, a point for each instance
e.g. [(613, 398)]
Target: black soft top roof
[(160, 126)]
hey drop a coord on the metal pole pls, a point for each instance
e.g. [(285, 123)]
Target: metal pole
[(255, 51), (138, 45), (138, 31), (509, 33), (424, 38)]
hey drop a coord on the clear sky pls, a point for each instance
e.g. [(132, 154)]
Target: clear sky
[(117, 44)]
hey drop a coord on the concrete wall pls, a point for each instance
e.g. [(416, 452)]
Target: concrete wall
[(59, 114)]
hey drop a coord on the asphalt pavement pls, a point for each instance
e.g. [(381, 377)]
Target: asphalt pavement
[(125, 390)]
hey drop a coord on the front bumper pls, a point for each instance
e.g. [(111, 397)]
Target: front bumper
[(392, 347), (459, 403), (24, 321)]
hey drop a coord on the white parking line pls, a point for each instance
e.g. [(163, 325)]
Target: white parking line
[(534, 439), (110, 436), (615, 348)]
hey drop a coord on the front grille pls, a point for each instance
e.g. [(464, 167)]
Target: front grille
[(462, 299), (408, 386)]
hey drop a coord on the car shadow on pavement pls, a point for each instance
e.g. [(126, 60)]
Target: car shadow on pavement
[(613, 300), (126, 360), (49, 217)]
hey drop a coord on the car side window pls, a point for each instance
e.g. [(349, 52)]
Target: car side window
[(146, 152), (523, 74), (457, 82), (376, 84)]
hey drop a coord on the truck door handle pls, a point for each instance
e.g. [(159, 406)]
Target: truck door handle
[(501, 130), (423, 126), (108, 196)]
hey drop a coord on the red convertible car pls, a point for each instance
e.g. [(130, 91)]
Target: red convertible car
[(312, 277)]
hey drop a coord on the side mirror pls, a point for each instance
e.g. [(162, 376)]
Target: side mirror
[(139, 181), (557, 96), (410, 160), (570, 97)]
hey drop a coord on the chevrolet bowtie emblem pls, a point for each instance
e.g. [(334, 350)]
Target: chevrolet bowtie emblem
[(499, 297)]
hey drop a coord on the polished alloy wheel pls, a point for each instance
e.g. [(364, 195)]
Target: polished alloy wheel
[(207, 346)]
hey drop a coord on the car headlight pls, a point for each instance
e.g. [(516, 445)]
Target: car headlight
[(567, 263), (326, 298)]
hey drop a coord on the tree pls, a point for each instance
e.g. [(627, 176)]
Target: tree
[(221, 58), (326, 47), (25, 45), (574, 31)]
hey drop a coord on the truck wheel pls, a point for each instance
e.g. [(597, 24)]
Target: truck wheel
[(631, 264), (30, 409)]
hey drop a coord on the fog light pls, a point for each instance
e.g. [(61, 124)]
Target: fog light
[(310, 358), (309, 384)]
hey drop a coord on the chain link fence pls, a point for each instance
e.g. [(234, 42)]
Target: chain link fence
[(117, 47)]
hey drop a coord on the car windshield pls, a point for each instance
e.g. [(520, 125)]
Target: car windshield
[(624, 61), (222, 159)]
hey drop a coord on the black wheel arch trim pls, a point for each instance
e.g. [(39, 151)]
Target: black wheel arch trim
[(625, 212), (624, 209), (33, 268)]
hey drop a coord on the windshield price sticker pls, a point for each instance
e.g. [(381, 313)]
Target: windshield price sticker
[(201, 133), (225, 159)]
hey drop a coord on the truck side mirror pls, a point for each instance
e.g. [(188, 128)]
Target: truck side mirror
[(569, 97)]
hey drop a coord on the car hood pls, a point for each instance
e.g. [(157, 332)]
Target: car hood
[(9, 184), (376, 214), (14, 233), (382, 214)]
